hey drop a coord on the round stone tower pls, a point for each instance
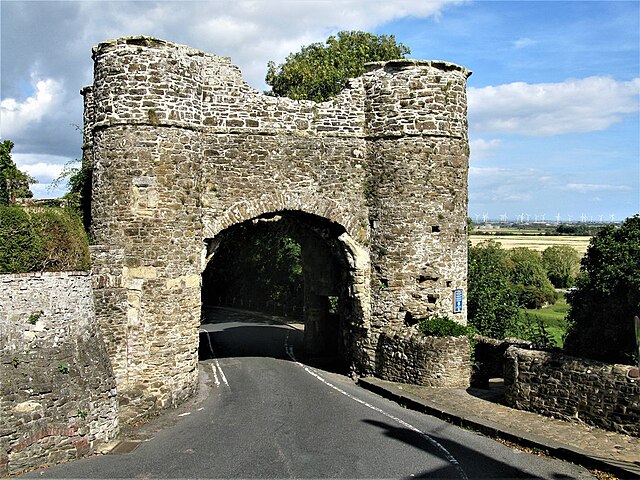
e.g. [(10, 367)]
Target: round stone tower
[(417, 155)]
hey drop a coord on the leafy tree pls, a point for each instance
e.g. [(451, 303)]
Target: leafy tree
[(79, 178), (492, 301), (607, 296), (256, 264), (534, 330), (20, 243), (529, 277), (562, 264), (320, 71), (4, 192), (13, 183)]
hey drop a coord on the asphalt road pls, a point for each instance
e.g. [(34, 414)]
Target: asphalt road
[(261, 414)]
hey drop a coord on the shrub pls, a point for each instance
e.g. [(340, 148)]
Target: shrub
[(443, 326), (21, 248), (64, 240), (534, 330), (46, 239)]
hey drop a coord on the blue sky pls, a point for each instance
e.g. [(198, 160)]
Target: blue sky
[(553, 100)]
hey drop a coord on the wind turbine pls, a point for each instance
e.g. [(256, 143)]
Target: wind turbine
[(612, 216), (503, 217), (583, 218), (484, 217), (557, 218)]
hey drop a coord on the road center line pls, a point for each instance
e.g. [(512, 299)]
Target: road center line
[(447, 455)]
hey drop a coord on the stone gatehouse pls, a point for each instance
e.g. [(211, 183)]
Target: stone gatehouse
[(373, 184)]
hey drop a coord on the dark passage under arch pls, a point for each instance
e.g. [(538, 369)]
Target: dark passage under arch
[(290, 264)]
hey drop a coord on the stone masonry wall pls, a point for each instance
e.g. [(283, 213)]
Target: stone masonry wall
[(57, 390), (183, 148), (410, 357), (570, 388)]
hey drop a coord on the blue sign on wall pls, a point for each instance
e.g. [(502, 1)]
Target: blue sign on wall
[(457, 301)]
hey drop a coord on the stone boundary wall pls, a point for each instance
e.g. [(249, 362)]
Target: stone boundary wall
[(570, 388), (57, 390), (411, 357)]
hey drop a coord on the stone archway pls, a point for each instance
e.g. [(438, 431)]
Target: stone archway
[(336, 283), (183, 148)]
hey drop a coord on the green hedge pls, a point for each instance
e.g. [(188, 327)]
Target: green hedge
[(443, 326), (41, 239)]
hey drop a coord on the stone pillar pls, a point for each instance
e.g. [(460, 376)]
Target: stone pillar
[(417, 156)]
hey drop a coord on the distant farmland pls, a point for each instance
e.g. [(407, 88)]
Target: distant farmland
[(535, 242)]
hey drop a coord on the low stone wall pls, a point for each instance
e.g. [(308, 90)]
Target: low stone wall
[(570, 388), (57, 390), (410, 357)]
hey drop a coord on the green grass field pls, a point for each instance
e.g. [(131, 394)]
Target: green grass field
[(553, 318)]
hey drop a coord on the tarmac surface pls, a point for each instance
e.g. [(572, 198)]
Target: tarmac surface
[(481, 410)]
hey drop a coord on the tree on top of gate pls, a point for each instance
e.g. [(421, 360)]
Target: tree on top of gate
[(321, 70)]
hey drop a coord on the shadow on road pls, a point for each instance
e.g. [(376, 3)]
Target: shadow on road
[(483, 466), (233, 340), (226, 333)]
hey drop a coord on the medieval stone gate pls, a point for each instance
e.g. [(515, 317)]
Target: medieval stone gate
[(183, 149)]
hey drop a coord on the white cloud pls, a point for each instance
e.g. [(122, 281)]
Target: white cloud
[(591, 187), (46, 190), (524, 42), (544, 109), (43, 168), (481, 148), (16, 116), (251, 32)]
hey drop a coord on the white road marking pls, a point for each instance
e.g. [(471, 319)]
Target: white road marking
[(216, 365), (222, 375), (215, 375), (449, 457), (184, 414)]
